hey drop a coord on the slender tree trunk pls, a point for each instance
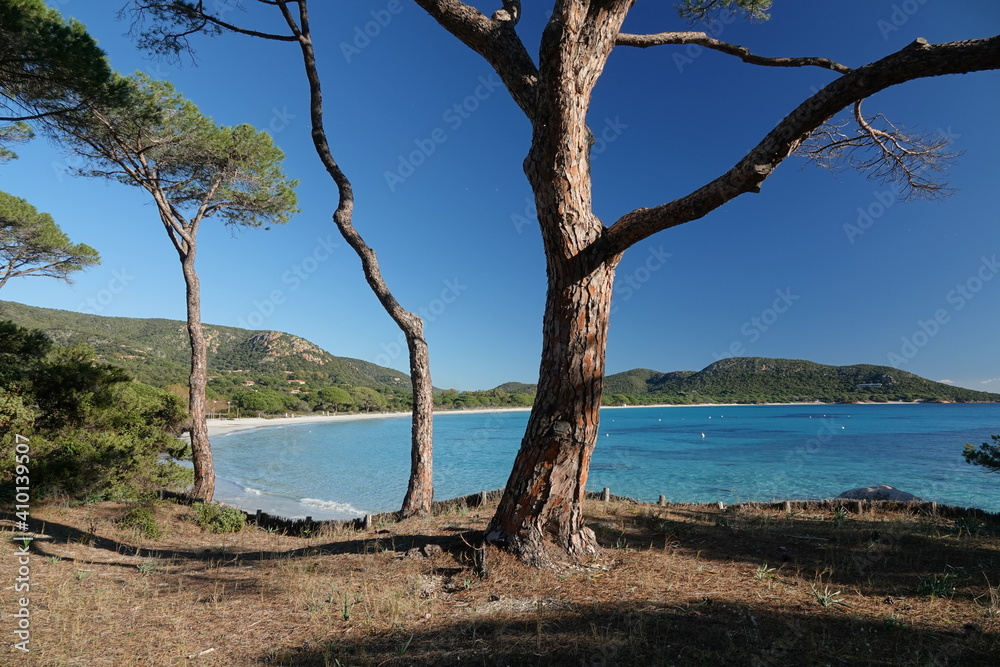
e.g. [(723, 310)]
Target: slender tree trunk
[(201, 450), (420, 490)]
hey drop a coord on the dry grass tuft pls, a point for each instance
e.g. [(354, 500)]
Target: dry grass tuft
[(675, 585)]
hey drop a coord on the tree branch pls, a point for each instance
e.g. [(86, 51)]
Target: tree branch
[(190, 18), (918, 60), (917, 161), (495, 40), (41, 115), (741, 52)]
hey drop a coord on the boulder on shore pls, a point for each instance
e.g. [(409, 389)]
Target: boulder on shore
[(880, 492)]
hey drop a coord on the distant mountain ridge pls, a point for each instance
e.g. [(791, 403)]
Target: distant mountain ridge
[(763, 380), (156, 351)]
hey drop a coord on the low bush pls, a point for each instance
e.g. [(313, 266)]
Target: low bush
[(141, 518), (218, 519)]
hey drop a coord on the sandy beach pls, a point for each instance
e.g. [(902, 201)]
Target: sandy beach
[(223, 426)]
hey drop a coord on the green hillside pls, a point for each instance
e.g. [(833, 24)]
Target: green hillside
[(156, 351), (760, 380), (516, 388)]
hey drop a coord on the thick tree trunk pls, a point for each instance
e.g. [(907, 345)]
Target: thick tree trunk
[(201, 450), (544, 494)]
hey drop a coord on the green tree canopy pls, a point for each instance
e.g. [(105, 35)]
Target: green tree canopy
[(336, 397), (93, 432), (163, 143), (985, 455), (47, 66), (699, 10), (368, 399), (261, 400), (31, 244)]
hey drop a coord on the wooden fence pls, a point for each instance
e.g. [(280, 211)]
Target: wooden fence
[(309, 526)]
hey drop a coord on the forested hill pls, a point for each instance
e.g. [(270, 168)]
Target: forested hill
[(157, 352), (760, 380)]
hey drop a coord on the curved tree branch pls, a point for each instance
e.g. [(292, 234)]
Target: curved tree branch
[(420, 492), (495, 40), (741, 52), (918, 60), (191, 18)]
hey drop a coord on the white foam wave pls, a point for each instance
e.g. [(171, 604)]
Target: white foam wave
[(332, 506), (252, 491)]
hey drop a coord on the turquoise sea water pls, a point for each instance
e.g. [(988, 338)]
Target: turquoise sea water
[(698, 454)]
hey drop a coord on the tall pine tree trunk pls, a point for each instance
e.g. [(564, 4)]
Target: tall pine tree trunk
[(544, 494), (420, 490), (201, 450)]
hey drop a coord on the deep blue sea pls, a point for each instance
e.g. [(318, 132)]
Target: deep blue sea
[(697, 454)]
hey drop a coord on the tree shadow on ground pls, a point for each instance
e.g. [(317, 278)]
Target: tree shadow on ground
[(649, 633), (458, 545), (884, 558)]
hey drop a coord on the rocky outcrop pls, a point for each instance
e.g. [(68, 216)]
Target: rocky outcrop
[(880, 492)]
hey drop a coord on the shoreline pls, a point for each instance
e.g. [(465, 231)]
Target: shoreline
[(227, 426), (217, 427)]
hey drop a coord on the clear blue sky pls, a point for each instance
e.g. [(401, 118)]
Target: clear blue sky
[(453, 236)]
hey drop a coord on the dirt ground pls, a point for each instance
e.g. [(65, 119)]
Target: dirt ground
[(675, 585)]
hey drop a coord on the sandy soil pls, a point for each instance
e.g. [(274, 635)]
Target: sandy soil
[(223, 426)]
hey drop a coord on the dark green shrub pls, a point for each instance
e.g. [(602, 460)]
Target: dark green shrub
[(141, 518), (218, 519), (93, 433)]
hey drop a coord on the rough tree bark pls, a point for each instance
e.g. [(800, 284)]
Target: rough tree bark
[(201, 449), (545, 490), (420, 489), (543, 497)]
